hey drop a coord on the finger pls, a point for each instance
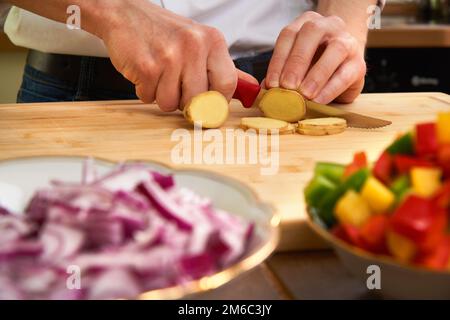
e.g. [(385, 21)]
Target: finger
[(246, 76), (145, 81), (309, 38), (283, 48), (169, 90), (317, 77), (194, 80), (222, 73), (346, 84)]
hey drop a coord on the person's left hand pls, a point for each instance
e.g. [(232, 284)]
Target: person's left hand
[(319, 57)]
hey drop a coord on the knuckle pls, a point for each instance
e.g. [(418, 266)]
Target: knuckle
[(337, 21), (321, 71), (193, 35), (214, 34), (227, 85), (288, 32), (297, 60), (148, 69), (312, 26), (311, 15), (342, 46), (169, 57)]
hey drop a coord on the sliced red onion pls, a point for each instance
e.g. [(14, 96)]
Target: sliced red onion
[(129, 231), (20, 248), (3, 211), (89, 173), (165, 206), (60, 242), (113, 284), (164, 181)]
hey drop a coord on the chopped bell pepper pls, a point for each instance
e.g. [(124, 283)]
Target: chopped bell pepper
[(325, 208), (442, 197), (404, 164), (444, 158), (377, 195), (373, 234), (352, 209), (400, 246), (426, 181), (426, 140), (403, 145), (317, 189), (347, 233), (421, 221), (332, 171), (438, 258), (384, 167), (443, 128), (359, 162), (401, 186)]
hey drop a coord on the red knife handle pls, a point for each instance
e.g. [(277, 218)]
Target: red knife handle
[(246, 92)]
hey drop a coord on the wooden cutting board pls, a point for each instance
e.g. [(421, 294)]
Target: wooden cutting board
[(133, 131)]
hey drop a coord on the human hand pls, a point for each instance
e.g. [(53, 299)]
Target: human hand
[(319, 57), (169, 58)]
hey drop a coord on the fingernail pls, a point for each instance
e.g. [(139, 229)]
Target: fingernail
[(308, 89), (323, 98), (273, 82), (289, 81)]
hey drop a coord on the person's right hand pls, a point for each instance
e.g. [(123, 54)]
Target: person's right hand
[(169, 58)]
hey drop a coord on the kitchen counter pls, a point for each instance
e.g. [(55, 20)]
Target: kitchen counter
[(295, 275), (130, 130), (410, 36)]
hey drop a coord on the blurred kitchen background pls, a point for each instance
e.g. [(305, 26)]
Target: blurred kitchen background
[(411, 51)]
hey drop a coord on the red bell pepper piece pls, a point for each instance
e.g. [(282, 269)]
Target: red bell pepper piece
[(421, 221), (438, 258), (404, 164), (347, 233), (359, 162), (384, 167), (426, 140), (373, 234), (442, 197), (444, 158)]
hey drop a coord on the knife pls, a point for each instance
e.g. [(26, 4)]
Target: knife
[(251, 94)]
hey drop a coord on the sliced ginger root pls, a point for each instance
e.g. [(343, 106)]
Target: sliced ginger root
[(322, 126), (210, 109), (267, 124), (282, 104)]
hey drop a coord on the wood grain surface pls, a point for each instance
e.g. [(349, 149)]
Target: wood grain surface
[(129, 130)]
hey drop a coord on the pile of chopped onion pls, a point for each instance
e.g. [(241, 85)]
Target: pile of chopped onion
[(127, 232)]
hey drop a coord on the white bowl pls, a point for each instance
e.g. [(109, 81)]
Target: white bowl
[(398, 280), (19, 178)]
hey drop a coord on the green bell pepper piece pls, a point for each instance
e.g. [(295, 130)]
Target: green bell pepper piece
[(400, 187), (317, 189), (403, 145), (326, 206), (332, 171)]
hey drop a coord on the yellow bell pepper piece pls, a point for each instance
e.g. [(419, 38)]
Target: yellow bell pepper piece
[(400, 247), (377, 195), (443, 127), (352, 209), (426, 181)]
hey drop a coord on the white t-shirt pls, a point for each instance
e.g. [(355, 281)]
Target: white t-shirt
[(249, 26)]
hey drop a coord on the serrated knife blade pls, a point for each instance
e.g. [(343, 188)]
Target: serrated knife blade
[(354, 120)]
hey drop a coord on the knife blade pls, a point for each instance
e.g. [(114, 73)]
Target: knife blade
[(354, 120), (250, 94)]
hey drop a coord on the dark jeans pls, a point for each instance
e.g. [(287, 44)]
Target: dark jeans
[(38, 86)]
